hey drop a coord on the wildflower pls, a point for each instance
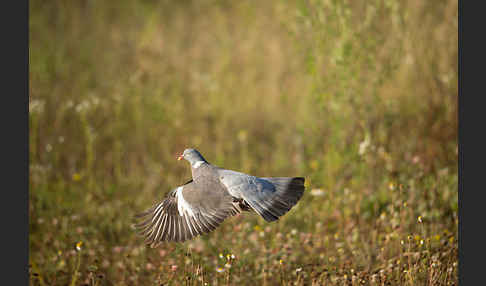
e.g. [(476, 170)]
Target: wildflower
[(391, 186), (117, 249), (415, 159), (363, 145), (242, 135), (419, 219), (221, 255), (78, 245), (233, 256), (36, 106), (280, 262), (307, 183), (219, 269), (409, 237), (298, 269), (421, 242), (257, 228), (76, 177), (402, 242), (173, 268), (227, 265), (317, 192), (120, 265)]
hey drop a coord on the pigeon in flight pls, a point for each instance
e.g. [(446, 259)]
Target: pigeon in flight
[(213, 194)]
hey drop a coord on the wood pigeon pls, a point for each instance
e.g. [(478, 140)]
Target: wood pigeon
[(213, 194)]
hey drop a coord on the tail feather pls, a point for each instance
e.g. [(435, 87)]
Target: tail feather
[(288, 191)]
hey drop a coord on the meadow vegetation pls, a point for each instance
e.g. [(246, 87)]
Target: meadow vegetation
[(360, 97)]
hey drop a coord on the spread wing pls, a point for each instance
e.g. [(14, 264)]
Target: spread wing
[(187, 211), (269, 197)]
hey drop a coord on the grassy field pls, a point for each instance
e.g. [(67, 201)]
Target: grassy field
[(360, 97)]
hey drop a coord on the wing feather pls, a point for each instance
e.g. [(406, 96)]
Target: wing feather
[(184, 214)]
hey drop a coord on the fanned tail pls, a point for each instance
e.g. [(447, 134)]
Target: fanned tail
[(288, 191)]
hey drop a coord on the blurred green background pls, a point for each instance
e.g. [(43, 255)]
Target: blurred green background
[(360, 97)]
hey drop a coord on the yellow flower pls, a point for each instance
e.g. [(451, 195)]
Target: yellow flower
[(76, 177), (307, 183), (419, 219), (78, 245), (280, 261), (242, 135), (257, 228), (391, 186)]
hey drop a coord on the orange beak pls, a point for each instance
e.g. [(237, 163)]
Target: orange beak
[(180, 157)]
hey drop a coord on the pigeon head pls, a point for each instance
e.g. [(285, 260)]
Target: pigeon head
[(192, 156)]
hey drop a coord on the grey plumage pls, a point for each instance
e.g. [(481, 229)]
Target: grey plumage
[(203, 203)]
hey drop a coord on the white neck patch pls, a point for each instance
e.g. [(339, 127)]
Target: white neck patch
[(197, 164)]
